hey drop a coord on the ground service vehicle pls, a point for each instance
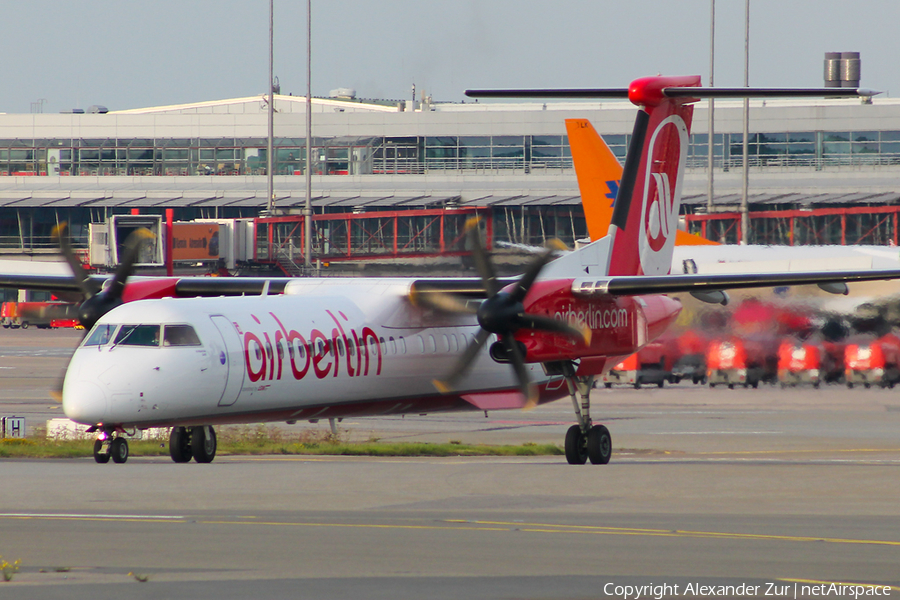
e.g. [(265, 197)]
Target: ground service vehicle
[(802, 362), (873, 362)]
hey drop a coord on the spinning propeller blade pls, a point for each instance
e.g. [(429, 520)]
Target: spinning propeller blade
[(97, 301), (501, 314)]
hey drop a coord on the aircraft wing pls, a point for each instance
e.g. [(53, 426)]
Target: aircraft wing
[(470, 289), (41, 283), (183, 286), (668, 284)]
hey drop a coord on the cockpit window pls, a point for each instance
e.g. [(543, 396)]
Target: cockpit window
[(138, 335), (101, 335), (180, 335)]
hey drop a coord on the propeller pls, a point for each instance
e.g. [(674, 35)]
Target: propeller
[(501, 314), (99, 300)]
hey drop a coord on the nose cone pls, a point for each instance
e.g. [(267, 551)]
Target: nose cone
[(84, 401)]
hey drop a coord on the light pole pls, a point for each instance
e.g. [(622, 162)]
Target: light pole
[(710, 156), (745, 206), (307, 208), (270, 182)]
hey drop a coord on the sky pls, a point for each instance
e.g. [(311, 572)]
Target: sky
[(129, 54)]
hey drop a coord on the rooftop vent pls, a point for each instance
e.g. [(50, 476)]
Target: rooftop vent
[(842, 69), (343, 93)]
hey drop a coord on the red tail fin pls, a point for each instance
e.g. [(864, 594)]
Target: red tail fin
[(599, 176), (645, 218)]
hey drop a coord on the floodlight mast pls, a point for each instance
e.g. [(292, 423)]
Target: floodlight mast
[(307, 207), (270, 183)]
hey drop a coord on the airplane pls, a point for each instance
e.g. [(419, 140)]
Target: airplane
[(193, 353), (599, 176)]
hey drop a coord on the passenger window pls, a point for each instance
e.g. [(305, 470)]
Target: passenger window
[(421, 344), (393, 345), (101, 335), (432, 345), (340, 347), (180, 335), (446, 344), (402, 345), (351, 348), (138, 335), (279, 349)]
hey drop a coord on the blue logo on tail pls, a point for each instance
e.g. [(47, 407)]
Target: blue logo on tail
[(613, 191)]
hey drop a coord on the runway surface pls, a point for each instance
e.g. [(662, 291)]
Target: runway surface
[(708, 487)]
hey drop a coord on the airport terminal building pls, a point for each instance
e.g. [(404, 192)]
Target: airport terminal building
[(394, 178)]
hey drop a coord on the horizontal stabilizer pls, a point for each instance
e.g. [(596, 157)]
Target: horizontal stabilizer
[(678, 92)]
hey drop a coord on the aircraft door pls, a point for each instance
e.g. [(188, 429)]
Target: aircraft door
[(232, 358)]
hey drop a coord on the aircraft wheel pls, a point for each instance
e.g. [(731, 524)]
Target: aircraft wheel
[(576, 446), (867, 385), (607, 385), (180, 445), (711, 384), (599, 445), (203, 444), (849, 385), (118, 449), (661, 383), (99, 456), (730, 386), (24, 325)]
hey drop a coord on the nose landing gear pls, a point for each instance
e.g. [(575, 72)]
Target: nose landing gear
[(107, 446)]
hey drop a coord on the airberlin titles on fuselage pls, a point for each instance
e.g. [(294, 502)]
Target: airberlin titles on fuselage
[(593, 317), (265, 353)]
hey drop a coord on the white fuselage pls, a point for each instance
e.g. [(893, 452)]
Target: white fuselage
[(356, 346)]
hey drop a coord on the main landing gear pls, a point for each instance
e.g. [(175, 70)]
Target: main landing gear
[(585, 440), (109, 445), (198, 443)]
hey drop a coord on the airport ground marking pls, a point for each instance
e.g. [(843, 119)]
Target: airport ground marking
[(817, 582), (356, 525), (102, 517), (556, 528), (819, 451), (460, 524)]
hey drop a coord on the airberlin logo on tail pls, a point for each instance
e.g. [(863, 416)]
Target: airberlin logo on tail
[(269, 356), (659, 209)]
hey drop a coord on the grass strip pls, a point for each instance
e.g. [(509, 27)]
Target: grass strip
[(44, 448)]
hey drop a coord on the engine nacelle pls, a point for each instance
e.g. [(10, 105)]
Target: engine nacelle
[(620, 325)]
